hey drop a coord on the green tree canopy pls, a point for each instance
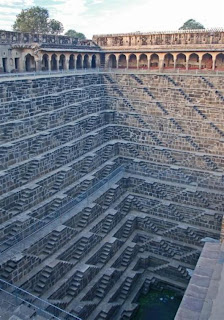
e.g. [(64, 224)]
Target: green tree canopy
[(36, 20), (191, 24), (73, 33), (55, 27)]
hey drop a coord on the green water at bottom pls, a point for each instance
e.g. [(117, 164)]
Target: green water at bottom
[(157, 305)]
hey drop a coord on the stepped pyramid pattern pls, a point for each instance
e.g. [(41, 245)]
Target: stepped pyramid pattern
[(109, 182)]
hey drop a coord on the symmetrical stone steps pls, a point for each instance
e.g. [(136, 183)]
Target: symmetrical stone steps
[(189, 127), (17, 267), (125, 258), (80, 248), (46, 140), (74, 284), (105, 253), (51, 243), (10, 90), (42, 190), (169, 83), (154, 93), (34, 164), (41, 104), (154, 137), (175, 212), (142, 229), (176, 174), (179, 193), (103, 285)]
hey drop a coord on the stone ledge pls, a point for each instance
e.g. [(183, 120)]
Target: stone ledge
[(197, 301)]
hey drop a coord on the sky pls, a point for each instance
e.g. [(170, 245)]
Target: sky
[(119, 16)]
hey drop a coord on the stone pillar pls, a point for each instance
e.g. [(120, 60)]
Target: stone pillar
[(82, 61), (106, 61), (57, 61), (149, 61), (38, 65), (213, 63), (75, 60), (161, 62), (49, 64), (66, 64), (174, 62), (187, 61), (200, 60), (117, 57), (23, 64), (98, 61)]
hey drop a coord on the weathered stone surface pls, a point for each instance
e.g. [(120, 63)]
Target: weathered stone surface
[(110, 184)]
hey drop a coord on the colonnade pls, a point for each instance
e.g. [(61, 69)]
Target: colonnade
[(189, 60), (46, 61), (59, 61)]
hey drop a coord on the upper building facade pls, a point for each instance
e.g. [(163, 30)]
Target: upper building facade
[(189, 49), (21, 52), (186, 49)]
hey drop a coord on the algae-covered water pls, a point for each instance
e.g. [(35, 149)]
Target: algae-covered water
[(158, 305)]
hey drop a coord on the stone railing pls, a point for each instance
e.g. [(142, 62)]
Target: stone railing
[(38, 225), (212, 31), (17, 296), (25, 38), (34, 74), (144, 39)]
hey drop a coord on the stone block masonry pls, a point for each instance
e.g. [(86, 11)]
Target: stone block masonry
[(60, 137)]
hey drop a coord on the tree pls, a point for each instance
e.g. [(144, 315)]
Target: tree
[(36, 20), (191, 24), (55, 27), (74, 34)]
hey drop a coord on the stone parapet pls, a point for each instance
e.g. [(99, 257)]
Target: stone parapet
[(13, 38), (180, 39)]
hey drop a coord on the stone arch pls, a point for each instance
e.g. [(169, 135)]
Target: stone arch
[(132, 61), (181, 61), (79, 62), (193, 62), (168, 62), (93, 61), (112, 61), (143, 61), (30, 64), (54, 62), (71, 63), (219, 61), (206, 62), (62, 62), (45, 62), (154, 61), (86, 61), (122, 61)]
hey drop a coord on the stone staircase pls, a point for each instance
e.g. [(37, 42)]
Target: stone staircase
[(102, 286), (105, 253), (52, 241), (43, 279), (137, 230), (75, 284)]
